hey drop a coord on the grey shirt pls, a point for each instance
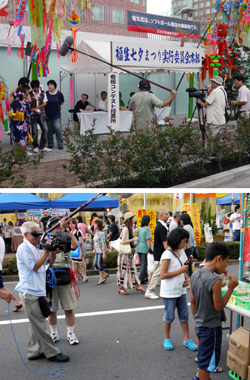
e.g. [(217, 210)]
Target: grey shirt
[(190, 230), (202, 282), (144, 103), (173, 225)]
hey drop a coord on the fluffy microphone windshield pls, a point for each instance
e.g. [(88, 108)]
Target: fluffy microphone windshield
[(66, 45)]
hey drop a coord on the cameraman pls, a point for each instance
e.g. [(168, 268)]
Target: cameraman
[(143, 103), (215, 104), (65, 293), (32, 286)]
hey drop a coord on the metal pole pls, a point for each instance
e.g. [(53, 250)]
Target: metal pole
[(145, 201)]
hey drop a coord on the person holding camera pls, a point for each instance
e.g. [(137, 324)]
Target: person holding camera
[(215, 104), (32, 287), (65, 293), (143, 104)]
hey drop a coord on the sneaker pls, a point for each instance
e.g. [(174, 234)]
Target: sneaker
[(72, 339), (60, 358), (151, 296), (60, 147), (35, 150), (45, 149), (29, 154), (55, 337)]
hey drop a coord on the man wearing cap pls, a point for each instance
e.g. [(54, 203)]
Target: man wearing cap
[(143, 104), (215, 104)]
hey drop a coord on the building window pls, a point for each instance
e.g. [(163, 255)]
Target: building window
[(145, 3), (184, 2), (195, 13), (118, 16), (201, 19), (201, 12), (201, 4), (179, 3), (207, 11), (135, 1), (98, 12), (196, 6), (207, 3)]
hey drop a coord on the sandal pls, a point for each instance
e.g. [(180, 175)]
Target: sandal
[(101, 282), (190, 345), (167, 344), (218, 370), (17, 308)]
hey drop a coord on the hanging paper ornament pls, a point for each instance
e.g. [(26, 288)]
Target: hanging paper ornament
[(74, 18), (71, 91), (20, 50), (11, 23)]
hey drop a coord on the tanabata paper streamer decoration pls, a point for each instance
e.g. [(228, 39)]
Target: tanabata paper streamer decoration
[(71, 91), (11, 23), (74, 19), (20, 50)]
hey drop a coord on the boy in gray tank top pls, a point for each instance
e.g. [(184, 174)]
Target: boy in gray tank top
[(207, 305)]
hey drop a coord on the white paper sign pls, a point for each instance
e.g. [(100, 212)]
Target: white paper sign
[(157, 56), (113, 101)]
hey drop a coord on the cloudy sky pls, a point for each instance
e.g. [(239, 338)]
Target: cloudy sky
[(156, 6)]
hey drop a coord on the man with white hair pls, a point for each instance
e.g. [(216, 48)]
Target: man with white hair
[(160, 245), (175, 222), (32, 286)]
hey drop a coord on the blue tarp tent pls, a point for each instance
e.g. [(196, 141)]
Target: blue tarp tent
[(22, 201), (75, 200), (227, 199)]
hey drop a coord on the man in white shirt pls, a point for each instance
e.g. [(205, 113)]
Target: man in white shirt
[(175, 222), (235, 219), (243, 100), (102, 105), (215, 104)]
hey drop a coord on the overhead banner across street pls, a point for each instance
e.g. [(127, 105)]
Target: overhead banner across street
[(168, 26)]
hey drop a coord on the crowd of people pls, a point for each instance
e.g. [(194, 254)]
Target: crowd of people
[(173, 252)]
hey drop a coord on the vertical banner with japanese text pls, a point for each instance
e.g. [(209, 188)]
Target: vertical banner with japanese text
[(152, 224), (193, 211), (178, 201), (113, 101), (247, 232)]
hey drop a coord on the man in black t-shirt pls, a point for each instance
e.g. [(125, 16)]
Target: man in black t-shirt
[(114, 232), (45, 220), (160, 245), (81, 106)]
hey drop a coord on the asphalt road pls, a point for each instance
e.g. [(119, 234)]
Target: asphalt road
[(120, 338)]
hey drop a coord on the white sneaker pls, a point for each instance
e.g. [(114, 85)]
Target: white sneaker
[(35, 150), (29, 154), (54, 337), (45, 149), (151, 296), (72, 339)]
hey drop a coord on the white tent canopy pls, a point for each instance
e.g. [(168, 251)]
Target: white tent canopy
[(101, 50)]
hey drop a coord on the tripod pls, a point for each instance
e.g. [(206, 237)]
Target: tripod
[(201, 119)]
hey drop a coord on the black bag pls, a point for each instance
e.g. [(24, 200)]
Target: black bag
[(44, 306), (62, 276), (227, 112)]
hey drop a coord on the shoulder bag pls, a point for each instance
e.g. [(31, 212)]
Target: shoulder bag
[(76, 254), (123, 249), (227, 112)]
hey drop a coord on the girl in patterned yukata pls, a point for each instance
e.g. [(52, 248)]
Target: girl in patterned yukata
[(18, 126)]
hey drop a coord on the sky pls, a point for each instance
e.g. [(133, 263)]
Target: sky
[(156, 6)]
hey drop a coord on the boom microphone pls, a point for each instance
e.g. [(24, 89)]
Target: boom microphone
[(66, 45)]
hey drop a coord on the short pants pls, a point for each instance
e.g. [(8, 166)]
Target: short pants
[(67, 298), (180, 303), (209, 347)]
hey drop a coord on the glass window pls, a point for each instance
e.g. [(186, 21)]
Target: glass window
[(195, 13), (201, 4), (184, 2), (179, 3), (196, 6), (98, 12), (135, 1), (201, 19), (201, 12), (145, 3), (184, 16), (207, 11), (207, 3), (118, 16)]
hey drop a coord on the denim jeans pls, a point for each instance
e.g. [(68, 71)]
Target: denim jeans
[(54, 127), (236, 235), (143, 261), (98, 262), (37, 119), (170, 304)]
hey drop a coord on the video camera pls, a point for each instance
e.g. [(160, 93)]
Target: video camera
[(60, 240), (198, 94)]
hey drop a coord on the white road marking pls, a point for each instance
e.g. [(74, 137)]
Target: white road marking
[(95, 313)]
